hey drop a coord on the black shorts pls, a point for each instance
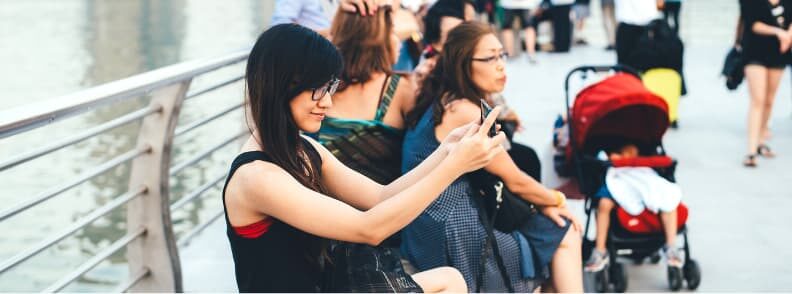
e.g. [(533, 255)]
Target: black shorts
[(627, 36), (524, 15), (767, 63)]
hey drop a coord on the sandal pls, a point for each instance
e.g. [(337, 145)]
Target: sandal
[(764, 151), (750, 160)]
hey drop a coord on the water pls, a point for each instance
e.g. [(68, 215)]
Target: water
[(55, 47)]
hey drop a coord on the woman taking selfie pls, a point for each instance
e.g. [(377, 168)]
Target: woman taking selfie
[(286, 194)]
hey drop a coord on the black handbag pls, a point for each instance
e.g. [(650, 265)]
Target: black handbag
[(361, 268), (733, 68), (512, 210)]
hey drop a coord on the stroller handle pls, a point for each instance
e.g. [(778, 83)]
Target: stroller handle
[(599, 69)]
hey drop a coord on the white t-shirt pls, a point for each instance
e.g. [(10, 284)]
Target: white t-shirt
[(636, 12), (520, 4)]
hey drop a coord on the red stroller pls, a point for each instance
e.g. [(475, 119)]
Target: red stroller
[(619, 106)]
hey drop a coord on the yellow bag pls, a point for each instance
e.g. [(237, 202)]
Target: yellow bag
[(666, 83)]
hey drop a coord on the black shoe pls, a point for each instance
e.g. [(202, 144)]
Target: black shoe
[(750, 160), (610, 48), (675, 124)]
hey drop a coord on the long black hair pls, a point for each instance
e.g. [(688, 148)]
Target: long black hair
[(286, 60)]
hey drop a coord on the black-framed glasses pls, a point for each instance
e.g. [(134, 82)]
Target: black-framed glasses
[(493, 59), (329, 88)]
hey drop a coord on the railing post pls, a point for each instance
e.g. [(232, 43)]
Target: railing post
[(156, 250)]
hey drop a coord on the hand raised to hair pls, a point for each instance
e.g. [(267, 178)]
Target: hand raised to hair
[(422, 71), (365, 7)]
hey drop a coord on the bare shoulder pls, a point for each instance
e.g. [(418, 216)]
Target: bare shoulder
[(462, 111), (255, 178), (405, 95)]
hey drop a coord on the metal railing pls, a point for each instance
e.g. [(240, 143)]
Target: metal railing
[(150, 242)]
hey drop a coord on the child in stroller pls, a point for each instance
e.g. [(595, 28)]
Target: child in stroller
[(617, 151)]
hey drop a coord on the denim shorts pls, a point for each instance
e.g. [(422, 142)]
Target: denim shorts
[(544, 237)]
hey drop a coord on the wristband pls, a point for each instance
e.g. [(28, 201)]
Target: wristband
[(560, 198)]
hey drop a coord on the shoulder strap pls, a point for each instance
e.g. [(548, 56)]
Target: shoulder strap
[(386, 96), (491, 243)]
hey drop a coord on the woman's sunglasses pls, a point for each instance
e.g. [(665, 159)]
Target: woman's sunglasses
[(329, 88)]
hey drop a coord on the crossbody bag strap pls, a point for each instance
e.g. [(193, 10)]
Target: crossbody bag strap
[(491, 242)]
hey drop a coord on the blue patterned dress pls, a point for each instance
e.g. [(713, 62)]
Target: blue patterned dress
[(448, 232)]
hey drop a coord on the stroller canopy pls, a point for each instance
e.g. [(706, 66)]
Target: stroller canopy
[(620, 106)]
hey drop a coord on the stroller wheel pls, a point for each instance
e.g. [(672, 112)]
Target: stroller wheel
[(692, 274), (601, 281), (674, 278), (638, 261), (655, 258), (618, 277)]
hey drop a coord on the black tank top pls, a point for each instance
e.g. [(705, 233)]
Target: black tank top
[(282, 259)]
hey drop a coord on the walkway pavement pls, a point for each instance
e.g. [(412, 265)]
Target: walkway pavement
[(738, 229)]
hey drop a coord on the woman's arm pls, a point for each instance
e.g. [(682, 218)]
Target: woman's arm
[(550, 202), (271, 191), (517, 181), (761, 28), (738, 33), (363, 193)]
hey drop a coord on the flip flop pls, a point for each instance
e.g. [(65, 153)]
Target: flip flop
[(750, 160), (764, 151)]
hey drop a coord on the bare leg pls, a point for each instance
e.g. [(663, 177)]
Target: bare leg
[(669, 220), (565, 268), (756, 75), (508, 41), (609, 21), (530, 41), (603, 222), (441, 280), (773, 79), (579, 26)]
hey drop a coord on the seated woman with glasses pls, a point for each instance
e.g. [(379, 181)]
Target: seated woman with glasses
[(364, 127), (286, 195), (449, 232)]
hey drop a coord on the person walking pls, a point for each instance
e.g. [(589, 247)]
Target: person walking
[(609, 23), (581, 11), (766, 39), (633, 17), (523, 11), (671, 11), (560, 15)]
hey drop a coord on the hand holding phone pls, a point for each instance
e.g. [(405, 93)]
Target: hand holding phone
[(485, 110)]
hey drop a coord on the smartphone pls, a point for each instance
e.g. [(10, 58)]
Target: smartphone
[(485, 110)]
